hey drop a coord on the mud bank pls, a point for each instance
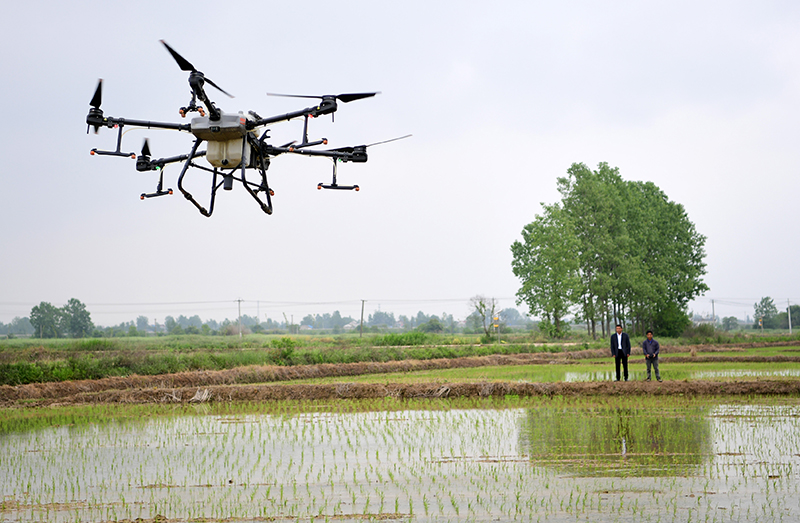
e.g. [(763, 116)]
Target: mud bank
[(232, 393), (154, 387)]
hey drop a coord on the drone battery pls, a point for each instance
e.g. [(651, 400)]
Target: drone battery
[(228, 154)]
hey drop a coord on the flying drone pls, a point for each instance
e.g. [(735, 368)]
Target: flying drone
[(235, 143)]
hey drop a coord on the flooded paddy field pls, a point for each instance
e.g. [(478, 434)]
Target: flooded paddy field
[(639, 458)]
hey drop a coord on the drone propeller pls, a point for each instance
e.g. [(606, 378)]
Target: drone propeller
[(146, 149), (95, 111), (97, 99), (185, 65), (345, 97)]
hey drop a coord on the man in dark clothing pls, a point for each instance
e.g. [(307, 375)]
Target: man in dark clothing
[(650, 348), (621, 349)]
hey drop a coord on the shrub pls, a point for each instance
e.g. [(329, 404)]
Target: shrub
[(406, 338), (705, 330), (20, 373)]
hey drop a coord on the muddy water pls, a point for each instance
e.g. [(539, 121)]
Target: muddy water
[(639, 459)]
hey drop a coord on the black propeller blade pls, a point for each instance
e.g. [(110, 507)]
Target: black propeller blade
[(146, 148), (95, 116), (351, 97), (185, 65), (220, 89), (345, 97), (97, 99)]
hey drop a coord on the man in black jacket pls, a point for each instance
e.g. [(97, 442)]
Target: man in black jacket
[(650, 347), (621, 349)]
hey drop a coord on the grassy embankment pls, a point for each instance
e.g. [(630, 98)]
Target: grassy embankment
[(42, 361)]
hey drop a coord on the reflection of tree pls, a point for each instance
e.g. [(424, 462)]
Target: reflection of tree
[(599, 440)]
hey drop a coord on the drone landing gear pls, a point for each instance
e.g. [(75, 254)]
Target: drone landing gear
[(159, 188), (334, 185), (228, 178), (214, 186), (263, 165), (117, 152)]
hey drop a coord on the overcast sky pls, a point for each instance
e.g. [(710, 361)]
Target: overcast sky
[(701, 98)]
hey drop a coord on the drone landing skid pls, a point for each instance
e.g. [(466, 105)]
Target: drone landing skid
[(334, 185), (338, 187), (113, 153), (154, 194)]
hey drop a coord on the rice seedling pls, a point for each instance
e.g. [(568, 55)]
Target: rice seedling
[(549, 458)]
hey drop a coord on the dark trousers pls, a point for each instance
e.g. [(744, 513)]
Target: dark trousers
[(624, 360), (654, 363)]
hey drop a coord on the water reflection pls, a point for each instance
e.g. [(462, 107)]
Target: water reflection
[(602, 376), (679, 374), (739, 373), (617, 441)]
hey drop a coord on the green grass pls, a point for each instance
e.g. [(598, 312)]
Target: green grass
[(557, 372), (61, 360), (31, 360)]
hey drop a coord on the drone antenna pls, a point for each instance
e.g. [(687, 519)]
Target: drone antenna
[(391, 140)]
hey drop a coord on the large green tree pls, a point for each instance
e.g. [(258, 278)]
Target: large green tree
[(47, 320), (766, 311), (77, 320), (623, 252), (783, 319), (546, 263)]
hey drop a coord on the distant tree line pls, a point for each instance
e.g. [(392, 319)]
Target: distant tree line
[(74, 320), (611, 251), (17, 327)]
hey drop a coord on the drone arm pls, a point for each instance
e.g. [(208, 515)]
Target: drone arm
[(326, 107), (149, 125), (173, 159), (111, 122), (357, 155)]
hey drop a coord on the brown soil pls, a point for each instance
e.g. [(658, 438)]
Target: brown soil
[(237, 384), (230, 393)]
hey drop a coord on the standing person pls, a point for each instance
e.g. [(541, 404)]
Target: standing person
[(621, 349), (650, 348)]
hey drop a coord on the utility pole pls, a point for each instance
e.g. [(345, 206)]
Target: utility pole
[(789, 314), (362, 319), (240, 318), (713, 314)]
